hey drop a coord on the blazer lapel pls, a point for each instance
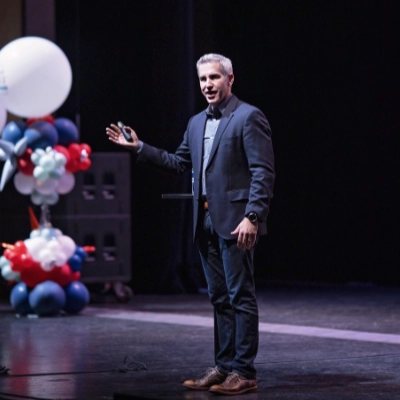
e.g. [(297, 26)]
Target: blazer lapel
[(225, 119)]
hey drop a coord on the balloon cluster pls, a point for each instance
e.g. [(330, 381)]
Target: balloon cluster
[(46, 155), (46, 256), (35, 80)]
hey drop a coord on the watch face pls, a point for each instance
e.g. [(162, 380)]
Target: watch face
[(252, 217)]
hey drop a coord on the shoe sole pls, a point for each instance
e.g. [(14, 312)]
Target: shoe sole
[(229, 393), (196, 387)]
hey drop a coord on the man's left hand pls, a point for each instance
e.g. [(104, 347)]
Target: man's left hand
[(247, 234)]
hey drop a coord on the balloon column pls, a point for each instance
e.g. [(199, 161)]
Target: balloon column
[(35, 79)]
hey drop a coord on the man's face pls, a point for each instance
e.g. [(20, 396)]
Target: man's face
[(214, 86)]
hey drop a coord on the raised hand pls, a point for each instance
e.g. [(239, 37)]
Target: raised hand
[(115, 135)]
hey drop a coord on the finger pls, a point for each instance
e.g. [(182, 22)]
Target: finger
[(115, 129), (249, 244), (241, 241), (111, 132)]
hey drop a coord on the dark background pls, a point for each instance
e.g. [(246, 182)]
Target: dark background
[(325, 73)]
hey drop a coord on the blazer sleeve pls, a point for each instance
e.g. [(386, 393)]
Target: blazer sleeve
[(159, 159), (259, 152)]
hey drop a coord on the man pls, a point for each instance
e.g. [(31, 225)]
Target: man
[(229, 147)]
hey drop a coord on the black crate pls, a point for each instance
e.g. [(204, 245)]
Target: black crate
[(103, 189), (111, 236)]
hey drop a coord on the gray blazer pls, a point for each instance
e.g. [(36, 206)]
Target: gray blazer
[(240, 171)]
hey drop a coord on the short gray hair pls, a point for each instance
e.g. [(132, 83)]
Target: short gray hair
[(224, 62)]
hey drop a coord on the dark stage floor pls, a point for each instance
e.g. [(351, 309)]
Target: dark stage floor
[(316, 342)]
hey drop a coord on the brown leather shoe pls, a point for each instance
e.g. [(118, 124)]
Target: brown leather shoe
[(211, 377), (234, 384)]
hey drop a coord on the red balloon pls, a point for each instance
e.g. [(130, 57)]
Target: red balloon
[(85, 164), (25, 164), (72, 165), (7, 254), (76, 275), (16, 262), (61, 275), (18, 256), (34, 275), (74, 150), (26, 261), (20, 247), (46, 118), (63, 150), (86, 147)]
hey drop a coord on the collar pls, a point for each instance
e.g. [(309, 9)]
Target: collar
[(221, 106)]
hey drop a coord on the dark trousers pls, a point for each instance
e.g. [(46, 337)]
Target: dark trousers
[(229, 274)]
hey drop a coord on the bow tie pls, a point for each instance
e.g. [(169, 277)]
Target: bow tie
[(214, 113)]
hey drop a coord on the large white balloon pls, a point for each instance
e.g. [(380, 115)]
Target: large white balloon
[(35, 77), (3, 116)]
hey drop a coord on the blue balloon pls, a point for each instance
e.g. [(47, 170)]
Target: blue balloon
[(77, 296), (32, 135), (75, 263), (12, 132), (67, 131), (79, 251), (21, 125), (48, 135), (19, 299), (47, 298)]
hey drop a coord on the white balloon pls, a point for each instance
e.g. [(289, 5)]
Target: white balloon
[(68, 245), (9, 275), (4, 262), (47, 162), (34, 246), (48, 233), (51, 198), (40, 173), (60, 159), (60, 259), (58, 232), (34, 233), (47, 186), (36, 198), (3, 117), (46, 255), (66, 183), (56, 173), (37, 77), (54, 246), (47, 265), (24, 183), (36, 155)]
